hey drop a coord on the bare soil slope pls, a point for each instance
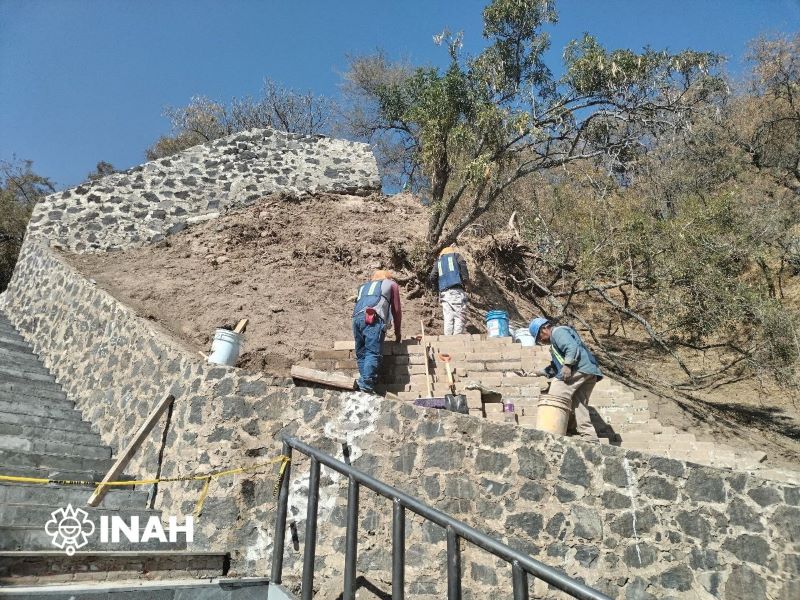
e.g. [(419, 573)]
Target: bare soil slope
[(290, 265)]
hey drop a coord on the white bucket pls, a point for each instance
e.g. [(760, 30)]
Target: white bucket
[(524, 337), (225, 347)]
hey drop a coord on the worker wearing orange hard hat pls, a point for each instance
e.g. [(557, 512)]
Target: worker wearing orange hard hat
[(450, 275), (377, 307)]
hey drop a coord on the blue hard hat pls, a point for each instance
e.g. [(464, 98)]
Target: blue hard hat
[(536, 325)]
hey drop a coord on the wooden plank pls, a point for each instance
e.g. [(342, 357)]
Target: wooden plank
[(241, 326), (124, 458), (344, 345), (332, 379)]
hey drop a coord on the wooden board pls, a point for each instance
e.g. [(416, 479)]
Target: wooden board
[(126, 455), (336, 380)]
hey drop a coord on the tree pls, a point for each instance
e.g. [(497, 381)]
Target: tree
[(485, 122), (102, 169), (203, 120), (20, 189)]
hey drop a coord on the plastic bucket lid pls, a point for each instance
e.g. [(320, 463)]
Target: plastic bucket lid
[(496, 314)]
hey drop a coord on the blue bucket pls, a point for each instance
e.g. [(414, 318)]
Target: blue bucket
[(497, 323)]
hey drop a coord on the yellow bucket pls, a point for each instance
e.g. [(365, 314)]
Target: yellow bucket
[(552, 415)]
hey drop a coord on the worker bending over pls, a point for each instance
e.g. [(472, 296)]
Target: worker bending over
[(451, 275), (377, 306), (574, 368)]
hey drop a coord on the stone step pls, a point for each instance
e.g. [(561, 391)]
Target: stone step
[(45, 446), (18, 344), (54, 399), (40, 410), (7, 331), (33, 389), (55, 473), (19, 458), (11, 378), (18, 357), (37, 515), (31, 372), (60, 495), (21, 419), (177, 589), (13, 538), (89, 438)]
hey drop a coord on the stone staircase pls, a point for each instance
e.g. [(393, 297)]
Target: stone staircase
[(500, 373), (42, 435)]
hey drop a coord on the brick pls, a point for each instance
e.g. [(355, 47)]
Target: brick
[(345, 365), (345, 345), (526, 421), (499, 417), (474, 399), (332, 354), (492, 407)]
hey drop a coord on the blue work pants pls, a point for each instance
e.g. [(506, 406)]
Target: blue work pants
[(369, 351)]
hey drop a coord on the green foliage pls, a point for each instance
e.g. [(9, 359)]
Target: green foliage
[(470, 131), (20, 189)]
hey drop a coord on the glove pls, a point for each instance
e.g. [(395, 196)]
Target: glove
[(566, 373)]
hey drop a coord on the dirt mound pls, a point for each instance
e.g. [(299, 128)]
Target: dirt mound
[(290, 265)]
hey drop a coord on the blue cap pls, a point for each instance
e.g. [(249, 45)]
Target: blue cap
[(536, 325)]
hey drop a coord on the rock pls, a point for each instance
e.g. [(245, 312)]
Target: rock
[(614, 500), (532, 463), (586, 555), (528, 522), (741, 515), (637, 590), (786, 520), (693, 524), (493, 462), (677, 578), (744, 584), (587, 523), (614, 473), (749, 548), (658, 487), (639, 555), (704, 485), (573, 469), (765, 496)]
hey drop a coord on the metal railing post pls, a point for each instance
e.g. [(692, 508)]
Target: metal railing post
[(310, 543), (351, 541), (520, 581), (398, 550), (453, 565), (280, 518), (523, 567)]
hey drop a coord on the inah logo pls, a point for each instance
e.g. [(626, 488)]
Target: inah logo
[(70, 528)]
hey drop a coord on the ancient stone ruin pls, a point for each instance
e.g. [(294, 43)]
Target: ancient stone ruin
[(633, 523)]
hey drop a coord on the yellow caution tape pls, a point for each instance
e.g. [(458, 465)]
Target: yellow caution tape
[(206, 478)]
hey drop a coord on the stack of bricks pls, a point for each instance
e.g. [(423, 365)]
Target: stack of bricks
[(496, 376)]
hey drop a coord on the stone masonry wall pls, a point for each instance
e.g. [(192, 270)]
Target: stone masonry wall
[(635, 526), (161, 197)]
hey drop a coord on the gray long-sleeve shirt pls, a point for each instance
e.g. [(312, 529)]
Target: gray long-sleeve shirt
[(567, 348)]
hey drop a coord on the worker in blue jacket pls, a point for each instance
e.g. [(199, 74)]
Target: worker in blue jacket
[(574, 369)]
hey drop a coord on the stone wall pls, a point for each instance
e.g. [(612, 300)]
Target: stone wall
[(633, 525), (161, 197)]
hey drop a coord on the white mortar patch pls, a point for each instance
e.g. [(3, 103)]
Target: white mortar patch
[(357, 418)]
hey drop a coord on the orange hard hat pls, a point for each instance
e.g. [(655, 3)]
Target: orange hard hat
[(381, 274), (447, 250)]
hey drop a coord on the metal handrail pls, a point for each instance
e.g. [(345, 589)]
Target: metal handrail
[(521, 564)]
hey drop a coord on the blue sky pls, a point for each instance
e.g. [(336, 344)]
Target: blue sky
[(87, 80)]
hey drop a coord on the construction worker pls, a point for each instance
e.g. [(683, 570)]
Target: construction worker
[(574, 368), (377, 307), (451, 275)]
